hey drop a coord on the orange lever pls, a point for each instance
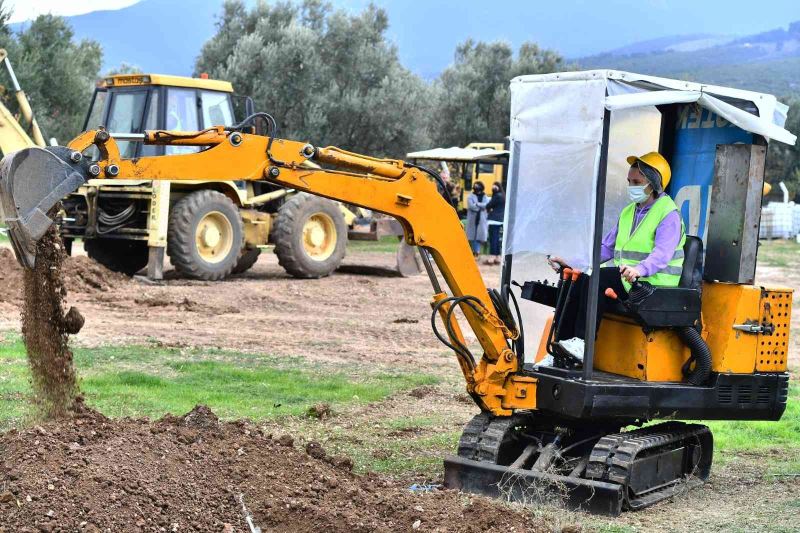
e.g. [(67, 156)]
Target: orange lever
[(576, 274), (566, 273), (611, 294)]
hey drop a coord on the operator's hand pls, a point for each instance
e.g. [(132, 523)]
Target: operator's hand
[(629, 273), (556, 263)]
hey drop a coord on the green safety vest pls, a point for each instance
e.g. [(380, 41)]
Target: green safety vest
[(633, 248)]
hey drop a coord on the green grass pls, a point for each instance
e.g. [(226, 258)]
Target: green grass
[(741, 435), (386, 244), (779, 253), (151, 381)]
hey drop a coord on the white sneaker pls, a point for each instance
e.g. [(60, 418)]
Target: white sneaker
[(547, 360), (574, 346)]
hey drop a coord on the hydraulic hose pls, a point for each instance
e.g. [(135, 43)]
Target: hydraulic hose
[(701, 355)]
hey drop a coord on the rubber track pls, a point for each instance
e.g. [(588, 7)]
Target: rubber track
[(483, 436), (613, 456)]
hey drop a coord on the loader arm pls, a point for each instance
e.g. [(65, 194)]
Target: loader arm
[(392, 187)]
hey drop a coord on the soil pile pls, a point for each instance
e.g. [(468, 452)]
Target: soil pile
[(10, 276), (85, 275), (81, 275), (46, 327), (194, 473)]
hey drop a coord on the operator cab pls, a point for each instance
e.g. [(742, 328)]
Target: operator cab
[(133, 103), (571, 135)]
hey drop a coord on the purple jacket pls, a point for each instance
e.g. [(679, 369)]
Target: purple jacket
[(668, 235)]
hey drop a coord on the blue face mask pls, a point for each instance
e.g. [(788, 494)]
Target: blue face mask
[(637, 193)]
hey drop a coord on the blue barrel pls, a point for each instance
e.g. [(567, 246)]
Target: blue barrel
[(697, 134)]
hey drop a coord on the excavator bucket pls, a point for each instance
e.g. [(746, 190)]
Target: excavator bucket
[(32, 182)]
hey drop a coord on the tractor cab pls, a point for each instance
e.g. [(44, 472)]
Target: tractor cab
[(718, 334), (133, 103)]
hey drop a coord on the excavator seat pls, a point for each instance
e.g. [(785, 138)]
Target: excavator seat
[(669, 307)]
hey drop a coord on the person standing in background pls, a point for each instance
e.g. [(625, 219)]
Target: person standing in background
[(496, 209), (477, 221)]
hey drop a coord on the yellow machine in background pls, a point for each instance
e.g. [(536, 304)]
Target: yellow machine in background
[(484, 162), (209, 230), (13, 134)]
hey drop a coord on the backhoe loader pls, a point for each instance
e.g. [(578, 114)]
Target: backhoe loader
[(132, 224), (715, 347)]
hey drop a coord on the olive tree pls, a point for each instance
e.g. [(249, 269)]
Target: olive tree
[(327, 76), (56, 72), (473, 96)]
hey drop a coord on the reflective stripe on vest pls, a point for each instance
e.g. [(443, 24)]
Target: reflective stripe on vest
[(631, 248)]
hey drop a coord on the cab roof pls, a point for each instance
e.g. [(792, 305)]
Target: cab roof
[(132, 80)]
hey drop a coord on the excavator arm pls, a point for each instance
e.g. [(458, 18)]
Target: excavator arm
[(33, 180)]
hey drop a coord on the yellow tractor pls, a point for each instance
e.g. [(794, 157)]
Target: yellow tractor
[(209, 230)]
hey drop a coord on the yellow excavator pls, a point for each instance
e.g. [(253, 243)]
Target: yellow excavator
[(707, 349)]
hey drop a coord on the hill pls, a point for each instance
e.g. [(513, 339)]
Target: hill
[(767, 61)]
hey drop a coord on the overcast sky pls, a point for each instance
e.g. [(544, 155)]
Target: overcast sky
[(29, 9)]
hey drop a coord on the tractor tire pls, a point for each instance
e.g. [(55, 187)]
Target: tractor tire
[(120, 255), (310, 236), (205, 235), (246, 260)]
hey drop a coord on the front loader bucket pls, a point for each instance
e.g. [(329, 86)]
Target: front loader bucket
[(32, 182)]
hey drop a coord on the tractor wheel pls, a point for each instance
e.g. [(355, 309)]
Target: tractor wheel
[(205, 235), (247, 260), (310, 236), (119, 255)]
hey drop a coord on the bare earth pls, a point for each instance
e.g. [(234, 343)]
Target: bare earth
[(361, 314), (344, 317)]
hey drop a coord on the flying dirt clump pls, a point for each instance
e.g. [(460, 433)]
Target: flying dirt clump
[(46, 327)]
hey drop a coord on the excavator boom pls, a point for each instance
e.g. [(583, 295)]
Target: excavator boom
[(34, 180)]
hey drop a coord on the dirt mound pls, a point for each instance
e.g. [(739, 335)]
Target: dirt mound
[(81, 275), (193, 473), (10, 276)]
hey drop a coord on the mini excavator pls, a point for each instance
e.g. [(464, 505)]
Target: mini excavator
[(539, 426)]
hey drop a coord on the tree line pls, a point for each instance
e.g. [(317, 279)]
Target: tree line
[(327, 75)]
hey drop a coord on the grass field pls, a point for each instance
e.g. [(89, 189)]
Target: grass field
[(151, 381), (387, 243), (779, 253)]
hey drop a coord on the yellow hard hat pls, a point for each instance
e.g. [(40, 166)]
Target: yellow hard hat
[(767, 188), (657, 161)]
